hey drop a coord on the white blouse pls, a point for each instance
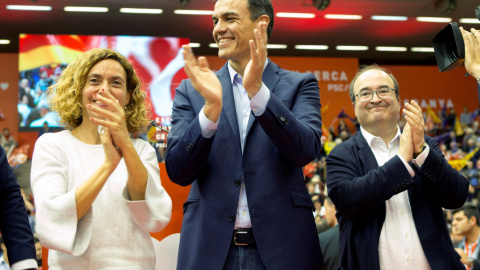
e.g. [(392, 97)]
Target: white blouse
[(115, 231)]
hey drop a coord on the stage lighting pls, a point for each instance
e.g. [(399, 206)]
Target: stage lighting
[(321, 4)]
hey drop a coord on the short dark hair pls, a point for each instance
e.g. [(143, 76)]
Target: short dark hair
[(262, 7), (365, 68), (258, 8), (470, 210), (329, 201)]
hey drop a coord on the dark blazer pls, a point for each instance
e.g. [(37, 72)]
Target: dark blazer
[(359, 188), (14, 225), (329, 244), (278, 143)]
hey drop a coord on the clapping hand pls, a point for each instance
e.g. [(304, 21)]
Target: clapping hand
[(205, 81), (111, 119), (252, 78)]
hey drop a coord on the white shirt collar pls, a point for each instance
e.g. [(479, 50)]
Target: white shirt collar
[(232, 71), (370, 137)]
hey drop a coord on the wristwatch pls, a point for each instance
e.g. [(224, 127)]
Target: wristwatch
[(424, 146)]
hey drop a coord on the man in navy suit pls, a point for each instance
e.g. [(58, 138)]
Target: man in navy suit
[(389, 186), (14, 226), (240, 138)]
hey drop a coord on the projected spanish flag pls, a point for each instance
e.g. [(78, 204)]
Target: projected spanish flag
[(40, 50)]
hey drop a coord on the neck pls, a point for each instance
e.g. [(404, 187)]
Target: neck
[(87, 132), (386, 133), (240, 64), (472, 236)]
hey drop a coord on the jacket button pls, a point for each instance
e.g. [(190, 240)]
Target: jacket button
[(236, 182), (283, 119), (231, 218)]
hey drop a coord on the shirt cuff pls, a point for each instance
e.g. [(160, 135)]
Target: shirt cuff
[(25, 264), (258, 103), (208, 127), (421, 158), (410, 170)]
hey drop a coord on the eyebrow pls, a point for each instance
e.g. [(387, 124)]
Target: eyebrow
[(113, 77), (380, 87), (224, 15)]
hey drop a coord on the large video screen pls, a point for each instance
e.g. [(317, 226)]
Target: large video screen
[(157, 60)]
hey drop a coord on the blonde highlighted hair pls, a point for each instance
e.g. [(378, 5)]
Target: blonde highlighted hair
[(65, 97)]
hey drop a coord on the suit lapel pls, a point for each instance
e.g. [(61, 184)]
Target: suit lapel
[(228, 101), (270, 79), (365, 153)]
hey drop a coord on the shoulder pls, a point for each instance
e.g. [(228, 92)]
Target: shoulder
[(141, 145), (53, 138), (429, 140), (347, 146), (328, 234), (292, 74), (53, 144)]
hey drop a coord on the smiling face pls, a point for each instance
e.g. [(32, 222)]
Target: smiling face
[(377, 115), (233, 29), (107, 74)]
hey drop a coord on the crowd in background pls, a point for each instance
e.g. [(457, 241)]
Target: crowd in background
[(33, 106)]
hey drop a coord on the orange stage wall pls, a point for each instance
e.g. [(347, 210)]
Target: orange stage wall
[(9, 92)]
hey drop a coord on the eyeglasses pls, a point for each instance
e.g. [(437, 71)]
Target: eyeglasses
[(367, 95)]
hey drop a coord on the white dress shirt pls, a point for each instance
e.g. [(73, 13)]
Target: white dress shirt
[(243, 107), (399, 246)]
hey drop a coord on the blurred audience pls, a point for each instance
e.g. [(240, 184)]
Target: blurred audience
[(329, 238), (6, 140), (466, 223)]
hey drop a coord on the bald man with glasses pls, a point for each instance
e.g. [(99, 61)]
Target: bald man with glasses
[(389, 186)]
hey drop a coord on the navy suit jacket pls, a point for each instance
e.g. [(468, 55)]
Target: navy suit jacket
[(14, 225), (278, 143), (359, 188)]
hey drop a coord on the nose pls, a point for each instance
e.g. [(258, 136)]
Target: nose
[(105, 85), (375, 97), (219, 28)]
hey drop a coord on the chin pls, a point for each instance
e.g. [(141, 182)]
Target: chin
[(227, 53), (223, 54)]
